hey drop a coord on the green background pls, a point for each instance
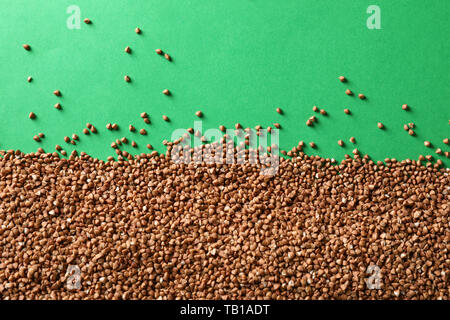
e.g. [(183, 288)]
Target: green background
[(236, 60)]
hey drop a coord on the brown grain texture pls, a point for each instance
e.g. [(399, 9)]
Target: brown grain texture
[(148, 228)]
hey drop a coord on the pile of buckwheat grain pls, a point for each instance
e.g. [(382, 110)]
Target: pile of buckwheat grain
[(151, 229)]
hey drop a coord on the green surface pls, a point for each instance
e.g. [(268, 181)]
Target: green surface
[(234, 60)]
